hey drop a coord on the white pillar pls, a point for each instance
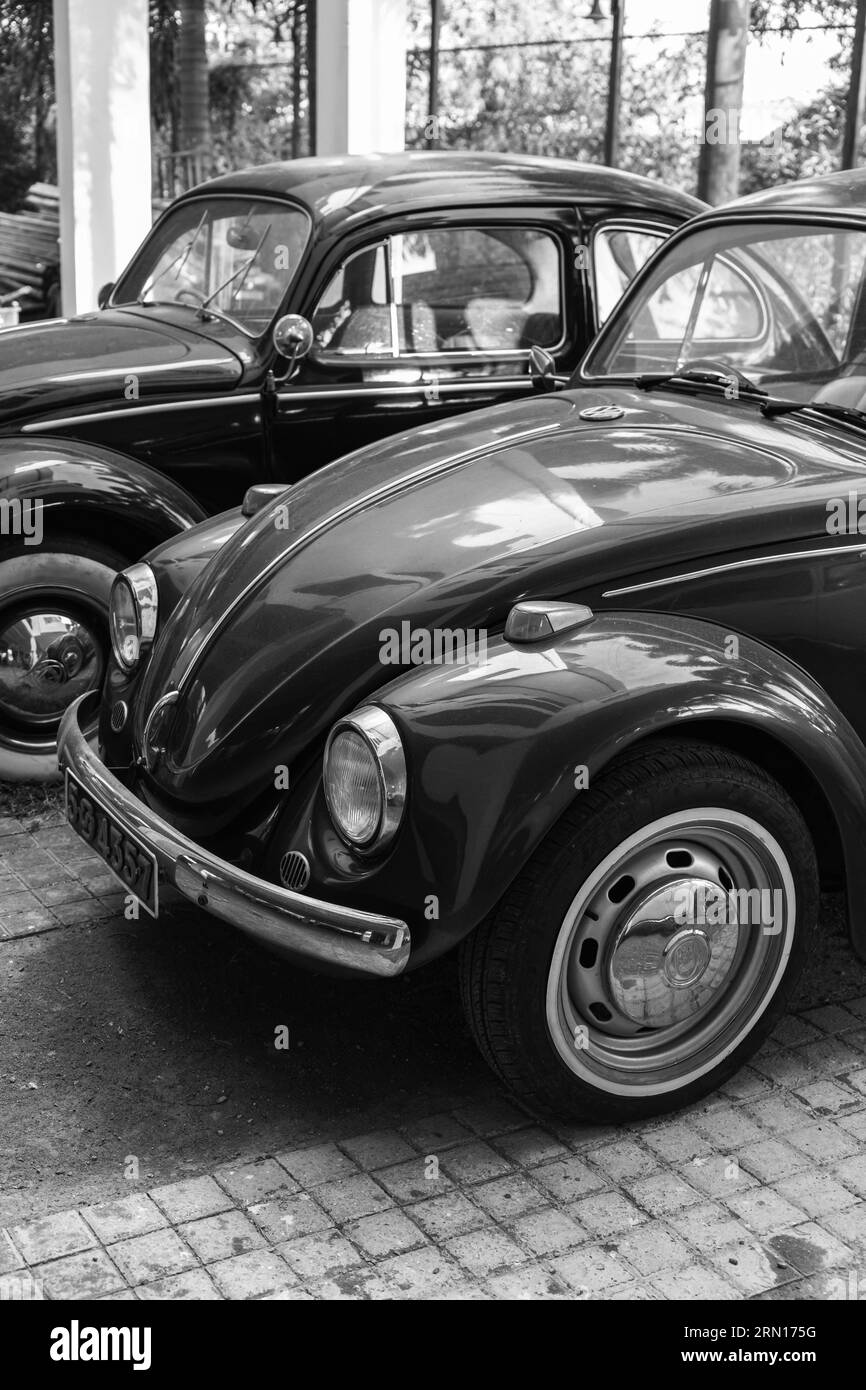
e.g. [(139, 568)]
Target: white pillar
[(102, 70), (360, 76)]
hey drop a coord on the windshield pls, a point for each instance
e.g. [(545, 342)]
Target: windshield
[(236, 255), (783, 304)]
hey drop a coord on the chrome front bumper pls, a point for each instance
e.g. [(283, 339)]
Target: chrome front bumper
[(335, 936)]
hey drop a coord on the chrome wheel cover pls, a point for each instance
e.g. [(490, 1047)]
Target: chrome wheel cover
[(670, 952), (48, 657)]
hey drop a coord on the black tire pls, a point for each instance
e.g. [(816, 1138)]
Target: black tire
[(522, 989), (73, 575)]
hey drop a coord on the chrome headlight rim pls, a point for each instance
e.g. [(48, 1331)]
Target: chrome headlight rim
[(378, 731), (139, 581)]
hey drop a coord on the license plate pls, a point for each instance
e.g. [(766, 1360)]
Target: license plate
[(134, 865)]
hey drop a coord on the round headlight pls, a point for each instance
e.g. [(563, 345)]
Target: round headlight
[(133, 614), (365, 778)]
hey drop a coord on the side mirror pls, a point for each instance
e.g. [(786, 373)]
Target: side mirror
[(105, 294), (293, 338), (542, 369)]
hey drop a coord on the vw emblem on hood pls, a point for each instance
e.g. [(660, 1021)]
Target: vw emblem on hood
[(602, 412)]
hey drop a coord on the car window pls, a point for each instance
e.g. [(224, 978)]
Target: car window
[(354, 315), (238, 254), (618, 254), (828, 278), (454, 290), (786, 304), (725, 304)]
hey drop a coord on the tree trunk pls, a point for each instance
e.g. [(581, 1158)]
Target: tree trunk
[(856, 92), (192, 75), (719, 163), (298, 26)]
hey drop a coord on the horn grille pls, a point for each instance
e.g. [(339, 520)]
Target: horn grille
[(294, 871)]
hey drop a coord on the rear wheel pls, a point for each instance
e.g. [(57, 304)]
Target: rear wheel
[(54, 646), (651, 942)]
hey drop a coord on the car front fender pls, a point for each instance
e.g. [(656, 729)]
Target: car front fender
[(497, 751), (77, 483)]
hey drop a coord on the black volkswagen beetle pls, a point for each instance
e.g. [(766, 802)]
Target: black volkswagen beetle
[(272, 320), (573, 684)]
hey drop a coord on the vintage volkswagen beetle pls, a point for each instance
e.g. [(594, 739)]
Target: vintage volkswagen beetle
[(621, 800), (415, 284)]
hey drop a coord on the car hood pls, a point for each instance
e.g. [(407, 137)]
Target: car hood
[(110, 356), (447, 527)]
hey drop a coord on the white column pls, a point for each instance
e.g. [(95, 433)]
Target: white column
[(102, 68), (360, 76)]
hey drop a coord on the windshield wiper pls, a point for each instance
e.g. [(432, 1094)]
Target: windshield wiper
[(183, 256), (848, 413), (241, 271), (703, 376)]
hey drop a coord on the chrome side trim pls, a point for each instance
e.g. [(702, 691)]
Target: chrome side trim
[(288, 398), (420, 388), (734, 565), (364, 942), (63, 421)]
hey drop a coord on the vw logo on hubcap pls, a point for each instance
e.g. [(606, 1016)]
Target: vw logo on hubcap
[(686, 957)]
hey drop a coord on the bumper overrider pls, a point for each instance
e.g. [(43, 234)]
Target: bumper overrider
[(335, 936)]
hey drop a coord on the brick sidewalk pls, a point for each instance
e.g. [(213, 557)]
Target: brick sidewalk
[(49, 878), (759, 1192)]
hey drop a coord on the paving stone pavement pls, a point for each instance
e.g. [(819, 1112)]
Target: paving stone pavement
[(757, 1192), (50, 879)]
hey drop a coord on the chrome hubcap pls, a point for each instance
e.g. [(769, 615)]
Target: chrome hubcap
[(47, 659), (661, 971), (671, 951)]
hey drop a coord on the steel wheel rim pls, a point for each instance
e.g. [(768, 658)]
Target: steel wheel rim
[(726, 981)]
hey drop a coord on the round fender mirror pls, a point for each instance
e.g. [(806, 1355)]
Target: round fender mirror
[(293, 337)]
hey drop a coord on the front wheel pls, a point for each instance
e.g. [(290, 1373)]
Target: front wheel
[(651, 942), (54, 646)]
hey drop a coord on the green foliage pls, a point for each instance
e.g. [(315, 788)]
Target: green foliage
[(27, 151), (534, 79)]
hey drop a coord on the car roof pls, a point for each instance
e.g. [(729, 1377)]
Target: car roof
[(341, 187), (840, 192)]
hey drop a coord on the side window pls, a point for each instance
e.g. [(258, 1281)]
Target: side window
[(729, 307), (618, 254), (455, 290), (353, 316)]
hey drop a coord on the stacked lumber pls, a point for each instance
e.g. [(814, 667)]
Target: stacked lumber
[(29, 244)]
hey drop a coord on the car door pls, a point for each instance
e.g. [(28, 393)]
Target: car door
[(426, 317)]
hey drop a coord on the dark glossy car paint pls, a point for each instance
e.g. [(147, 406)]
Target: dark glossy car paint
[(613, 515)]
